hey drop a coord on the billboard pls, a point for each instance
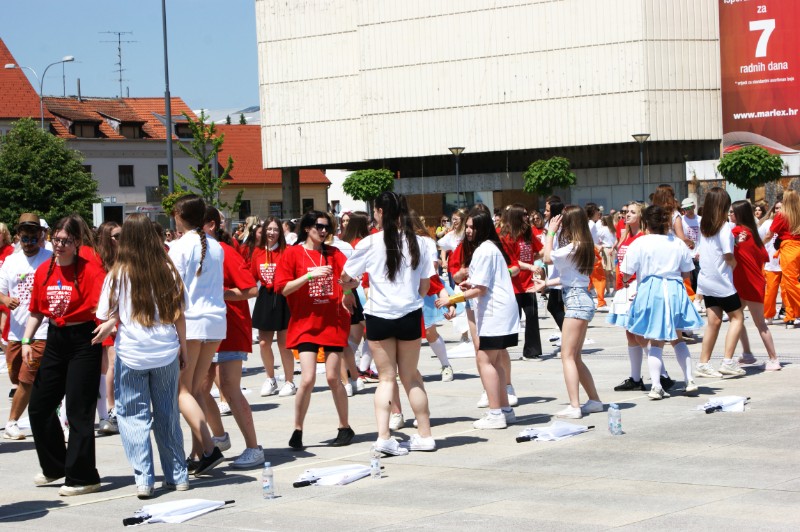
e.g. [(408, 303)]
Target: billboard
[(759, 48)]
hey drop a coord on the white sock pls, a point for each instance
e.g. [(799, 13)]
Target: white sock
[(635, 354), (102, 401), (366, 357), (440, 350), (684, 360), (496, 412), (656, 365)]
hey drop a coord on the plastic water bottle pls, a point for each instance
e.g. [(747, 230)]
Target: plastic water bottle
[(614, 419), (267, 482), (375, 463)]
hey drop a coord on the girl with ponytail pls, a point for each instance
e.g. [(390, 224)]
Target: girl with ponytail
[(399, 280), (198, 259)]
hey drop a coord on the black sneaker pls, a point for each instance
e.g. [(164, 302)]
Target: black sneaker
[(629, 385), (531, 356), (344, 437), (666, 383), (191, 464), (207, 463), (296, 441), (11, 393)]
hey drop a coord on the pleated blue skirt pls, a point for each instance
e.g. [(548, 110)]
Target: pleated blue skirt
[(661, 308)]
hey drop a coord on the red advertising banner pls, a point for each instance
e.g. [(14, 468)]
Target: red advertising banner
[(760, 49)]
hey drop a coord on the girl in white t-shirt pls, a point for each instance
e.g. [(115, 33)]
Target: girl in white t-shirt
[(661, 308), (198, 259), (715, 282), (399, 277), (574, 260), (143, 296), (491, 295)]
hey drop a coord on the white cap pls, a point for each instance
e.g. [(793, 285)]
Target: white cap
[(43, 223)]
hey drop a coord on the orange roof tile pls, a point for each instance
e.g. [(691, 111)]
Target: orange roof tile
[(19, 97), (147, 112), (243, 143)]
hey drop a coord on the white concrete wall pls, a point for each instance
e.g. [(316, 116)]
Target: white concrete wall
[(348, 80)]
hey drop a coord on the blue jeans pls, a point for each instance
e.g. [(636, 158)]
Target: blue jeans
[(578, 302), (135, 390)]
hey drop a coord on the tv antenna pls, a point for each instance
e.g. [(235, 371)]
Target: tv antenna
[(118, 64)]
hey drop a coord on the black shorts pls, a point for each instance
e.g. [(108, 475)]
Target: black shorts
[(492, 343), (357, 316), (405, 328), (727, 304), (271, 311), (308, 347)]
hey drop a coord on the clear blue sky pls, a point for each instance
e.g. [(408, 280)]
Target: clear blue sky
[(213, 59)]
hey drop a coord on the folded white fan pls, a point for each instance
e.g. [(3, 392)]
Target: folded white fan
[(173, 511), (559, 430), (726, 403), (332, 476)]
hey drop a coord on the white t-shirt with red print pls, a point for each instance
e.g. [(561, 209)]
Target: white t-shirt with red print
[(16, 280)]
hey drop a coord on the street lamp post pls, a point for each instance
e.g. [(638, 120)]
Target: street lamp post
[(641, 138), (65, 59), (457, 150)]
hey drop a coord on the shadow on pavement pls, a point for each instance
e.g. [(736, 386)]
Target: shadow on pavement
[(27, 510)]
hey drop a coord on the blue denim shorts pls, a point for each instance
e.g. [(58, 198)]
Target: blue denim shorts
[(579, 304), (229, 356)]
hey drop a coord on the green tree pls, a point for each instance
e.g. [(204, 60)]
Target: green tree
[(544, 175), (228, 120), (750, 167), (366, 185), (242, 120), (38, 173), (204, 148)]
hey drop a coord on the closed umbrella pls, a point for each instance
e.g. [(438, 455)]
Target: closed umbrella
[(173, 511)]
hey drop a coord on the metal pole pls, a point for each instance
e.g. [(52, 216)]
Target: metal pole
[(641, 169), (167, 106), (458, 186)]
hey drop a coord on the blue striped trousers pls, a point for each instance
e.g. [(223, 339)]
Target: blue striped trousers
[(135, 391)]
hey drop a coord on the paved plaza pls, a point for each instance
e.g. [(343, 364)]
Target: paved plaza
[(674, 468)]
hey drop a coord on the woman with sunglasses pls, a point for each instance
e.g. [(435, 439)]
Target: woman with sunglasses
[(308, 276), (66, 290)]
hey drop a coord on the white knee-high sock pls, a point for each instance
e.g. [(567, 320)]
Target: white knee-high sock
[(635, 353), (440, 350), (656, 365), (366, 357), (684, 360), (102, 401)]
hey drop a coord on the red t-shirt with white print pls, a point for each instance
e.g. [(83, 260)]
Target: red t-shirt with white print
[(236, 274), (62, 300), (263, 265), (317, 314)]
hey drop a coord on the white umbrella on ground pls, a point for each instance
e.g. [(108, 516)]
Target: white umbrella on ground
[(173, 511)]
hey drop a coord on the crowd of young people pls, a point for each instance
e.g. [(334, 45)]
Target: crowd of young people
[(164, 320)]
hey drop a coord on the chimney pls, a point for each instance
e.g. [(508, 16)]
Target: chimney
[(79, 90)]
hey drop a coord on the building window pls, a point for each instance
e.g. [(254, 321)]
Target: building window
[(182, 131), (85, 130), (126, 175), (308, 205), (87, 168), (244, 209), (276, 209), (131, 131), (163, 173)]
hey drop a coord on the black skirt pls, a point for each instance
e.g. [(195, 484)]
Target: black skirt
[(271, 312)]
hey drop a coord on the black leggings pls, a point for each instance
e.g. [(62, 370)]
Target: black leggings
[(533, 343), (555, 306)]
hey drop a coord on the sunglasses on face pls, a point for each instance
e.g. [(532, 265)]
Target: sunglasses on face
[(322, 227), (63, 241), (29, 240)]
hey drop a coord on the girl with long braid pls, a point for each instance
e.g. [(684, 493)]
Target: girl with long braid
[(199, 262), (66, 290), (399, 274)]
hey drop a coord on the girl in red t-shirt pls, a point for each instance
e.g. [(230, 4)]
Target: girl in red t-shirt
[(748, 279), (308, 275), (271, 311), (66, 291)]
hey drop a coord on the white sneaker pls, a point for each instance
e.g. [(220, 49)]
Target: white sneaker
[(725, 317), (12, 431), (570, 412), (287, 390), (591, 407), (447, 374), (657, 394), (731, 369), (396, 421), (223, 443), (348, 389), (554, 337), (250, 458), (270, 387), (224, 408), (512, 396), (691, 388), (491, 421), (483, 402), (360, 384), (390, 446), (706, 370), (418, 443)]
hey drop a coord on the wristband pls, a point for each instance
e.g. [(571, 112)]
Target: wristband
[(348, 292), (510, 272), (458, 298), (551, 233), (308, 276), (25, 341)]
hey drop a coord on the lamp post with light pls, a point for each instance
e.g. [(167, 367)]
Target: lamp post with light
[(65, 59), (641, 138), (457, 151)]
